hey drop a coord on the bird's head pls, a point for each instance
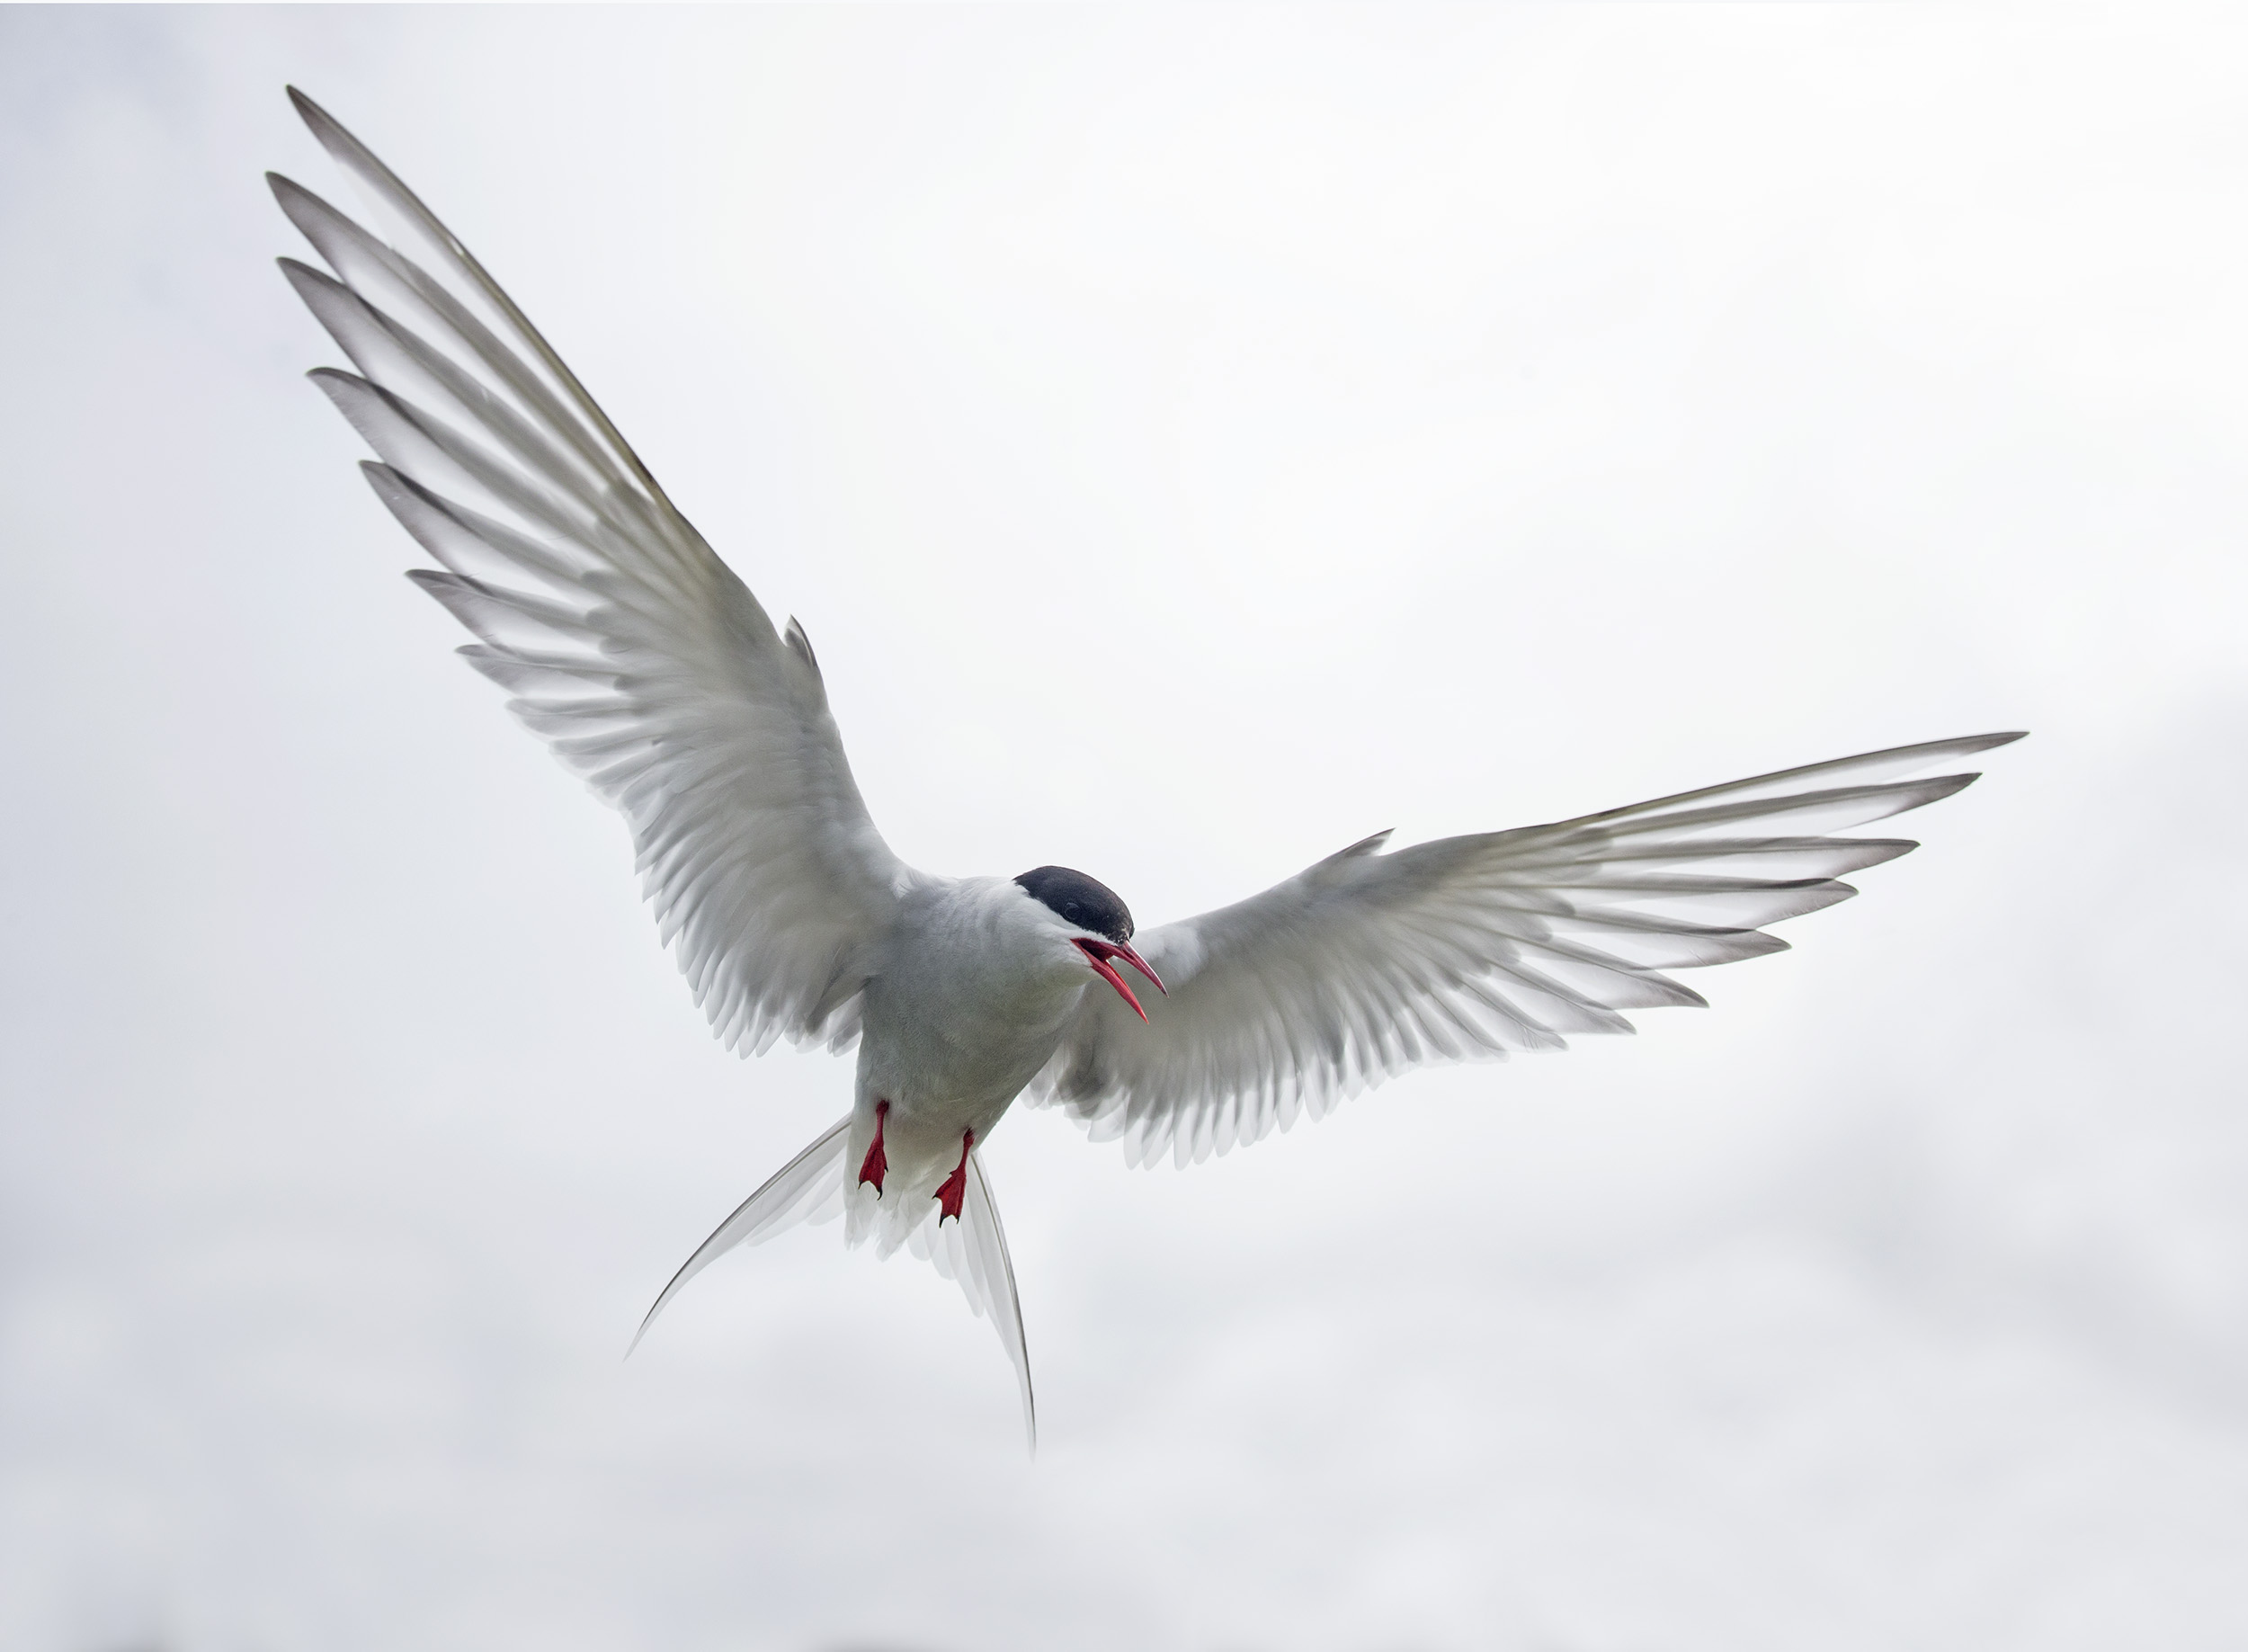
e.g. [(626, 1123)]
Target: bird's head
[(1099, 923)]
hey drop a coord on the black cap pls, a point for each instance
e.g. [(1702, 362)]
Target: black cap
[(1086, 902)]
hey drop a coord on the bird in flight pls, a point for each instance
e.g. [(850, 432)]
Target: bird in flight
[(655, 674)]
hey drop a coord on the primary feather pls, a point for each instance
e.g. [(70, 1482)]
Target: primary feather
[(1365, 964), (640, 658)]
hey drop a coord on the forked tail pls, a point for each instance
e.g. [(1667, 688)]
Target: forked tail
[(971, 1251)]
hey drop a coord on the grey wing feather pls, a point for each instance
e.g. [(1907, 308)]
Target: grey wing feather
[(625, 643), (1365, 964)]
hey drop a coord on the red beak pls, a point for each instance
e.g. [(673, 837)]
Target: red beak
[(1098, 953)]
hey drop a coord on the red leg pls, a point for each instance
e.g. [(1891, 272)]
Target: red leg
[(876, 1163), (955, 1188)]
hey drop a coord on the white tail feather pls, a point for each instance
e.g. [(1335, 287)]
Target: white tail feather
[(810, 1181), (972, 1252)]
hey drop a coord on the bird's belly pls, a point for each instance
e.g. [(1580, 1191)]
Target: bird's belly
[(951, 1061)]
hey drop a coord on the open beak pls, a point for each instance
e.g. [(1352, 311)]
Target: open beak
[(1098, 953)]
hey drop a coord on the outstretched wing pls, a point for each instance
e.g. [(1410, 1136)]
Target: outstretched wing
[(636, 655), (1365, 964)]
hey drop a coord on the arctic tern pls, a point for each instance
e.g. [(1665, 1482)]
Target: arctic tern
[(653, 673)]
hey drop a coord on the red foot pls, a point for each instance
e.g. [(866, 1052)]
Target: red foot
[(876, 1163), (955, 1187)]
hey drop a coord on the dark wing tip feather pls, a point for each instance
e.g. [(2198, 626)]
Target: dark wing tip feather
[(294, 199), (298, 205), (307, 281), (437, 581), (319, 119)]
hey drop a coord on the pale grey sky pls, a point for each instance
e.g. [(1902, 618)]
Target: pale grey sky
[(1461, 417)]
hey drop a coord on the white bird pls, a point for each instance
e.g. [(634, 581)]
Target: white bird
[(652, 670)]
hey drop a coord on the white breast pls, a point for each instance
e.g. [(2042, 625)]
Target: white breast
[(978, 988)]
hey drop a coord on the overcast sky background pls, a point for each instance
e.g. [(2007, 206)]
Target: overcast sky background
[(1194, 440)]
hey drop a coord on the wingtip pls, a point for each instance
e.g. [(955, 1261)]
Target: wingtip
[(336, 384), (1991, 741), (299, 273), (334, 137), (317, 120)]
